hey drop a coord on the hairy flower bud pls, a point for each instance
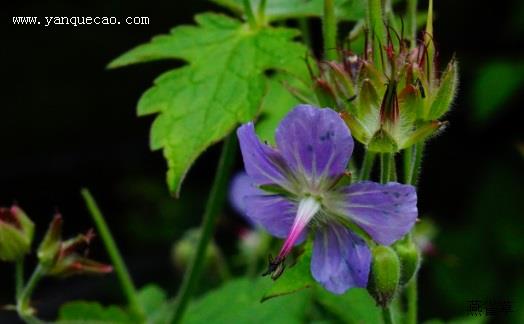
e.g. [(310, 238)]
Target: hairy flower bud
[(65, 258), (409, 256), (16, 233), (385, 274), (393, 94)]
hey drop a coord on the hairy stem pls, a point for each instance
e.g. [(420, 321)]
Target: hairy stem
[(329, 30), (367, 165), (24, 298), (412, 298), (303, 24), (121, 270), (411, 21), (415, 164), (19, 277), (385, 167), (388, 316), (214, 204), (248, 10)]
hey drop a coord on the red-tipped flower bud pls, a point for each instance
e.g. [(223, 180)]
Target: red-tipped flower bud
[(16, 233)]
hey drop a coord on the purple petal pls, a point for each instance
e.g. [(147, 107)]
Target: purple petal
[(340, 260), (314, 141), (263, 164), (241, 186), (273, 212), (386, 212)]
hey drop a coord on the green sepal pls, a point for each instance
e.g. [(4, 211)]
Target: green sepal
[(358, 129), (368, 100), (383, 142), (50, 245), (423, 132), (445, 93), (409, 256)]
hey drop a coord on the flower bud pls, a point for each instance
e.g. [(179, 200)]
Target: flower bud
[(16, 233), (385, 274), (185, 248), (65, 258), (409, 256)]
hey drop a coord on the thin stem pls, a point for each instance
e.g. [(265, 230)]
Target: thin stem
[(262, 12), (248, 10), (19, 277), (215, 202), (393, 169), (23, 300), (385, 167), (221, 264), (121, 270), (329, 29), (412, 297), (367, 165), (303, 24), (416, 163), (388, 316), (411, 21), (408, 163)]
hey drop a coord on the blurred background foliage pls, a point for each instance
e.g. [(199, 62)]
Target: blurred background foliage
[(67, 123)]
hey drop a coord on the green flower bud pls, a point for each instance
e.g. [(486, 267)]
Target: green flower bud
[(409, 256), (184, 250), (16, 233), (385, 274)]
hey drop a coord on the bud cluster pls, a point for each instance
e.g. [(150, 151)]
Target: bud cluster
[(392, 96)]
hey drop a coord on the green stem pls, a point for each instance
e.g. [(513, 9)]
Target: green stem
[(222, 267), (385, 167), (121, 270), (303, 24), (393, 169), (415, 164), (412, 297), (388, 316), (377, 29), (367, 165), (23, 300), (248, 10), (19, 277), (262, 12), (329, 30), (411, 21), (214, 204)]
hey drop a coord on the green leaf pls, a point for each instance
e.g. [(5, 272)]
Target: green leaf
[(238, 301), (349, 10), (295, 278), (154, 303), (92, 312), (355, 306), (496, 84), (223, 84), (461, 320), (277, 103)]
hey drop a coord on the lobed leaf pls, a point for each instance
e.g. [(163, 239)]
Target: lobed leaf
[(222, 85)]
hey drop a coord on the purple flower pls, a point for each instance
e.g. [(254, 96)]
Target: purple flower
[(293, 188)]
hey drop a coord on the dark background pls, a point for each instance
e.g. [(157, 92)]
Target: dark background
[(66, 122)]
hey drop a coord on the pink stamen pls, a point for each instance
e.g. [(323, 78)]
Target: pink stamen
[(307, 208)]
